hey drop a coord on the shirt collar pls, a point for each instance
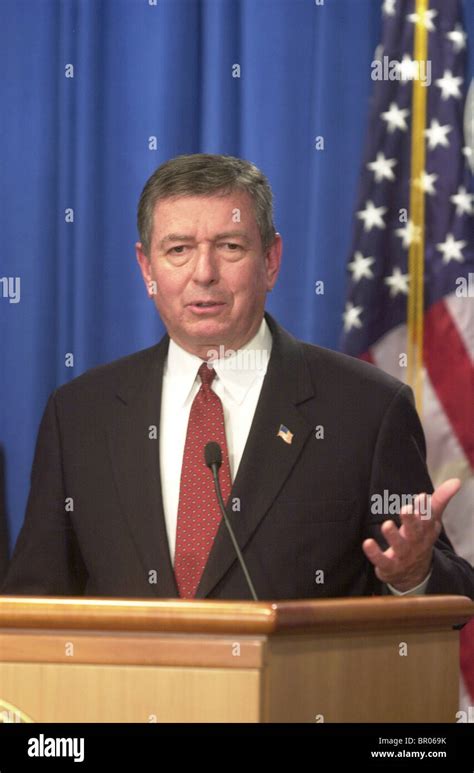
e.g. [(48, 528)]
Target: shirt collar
[(237, 372)]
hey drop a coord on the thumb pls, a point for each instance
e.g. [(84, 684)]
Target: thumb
[(443, 494)]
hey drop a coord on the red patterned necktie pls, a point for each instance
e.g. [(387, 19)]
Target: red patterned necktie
[(198, 510)]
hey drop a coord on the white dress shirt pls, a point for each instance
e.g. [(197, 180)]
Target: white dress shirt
[(419, 590), (238, 383)]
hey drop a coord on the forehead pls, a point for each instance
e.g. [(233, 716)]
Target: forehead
[(233, 210)]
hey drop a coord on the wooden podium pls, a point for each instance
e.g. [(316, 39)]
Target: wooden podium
[(377, 659)]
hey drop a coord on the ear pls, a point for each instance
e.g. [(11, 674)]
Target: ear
[(273, 261), (145, 267)]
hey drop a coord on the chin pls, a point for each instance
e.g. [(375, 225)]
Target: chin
[(209, 333), (205, 328)]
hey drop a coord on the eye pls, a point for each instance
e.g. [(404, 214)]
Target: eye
[(232, 246), (178, 247)]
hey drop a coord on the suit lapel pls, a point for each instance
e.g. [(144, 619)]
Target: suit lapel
[(267, 459), (136, 464)]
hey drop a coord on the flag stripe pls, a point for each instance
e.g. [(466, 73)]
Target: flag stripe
[(446, 357), (467, 656)]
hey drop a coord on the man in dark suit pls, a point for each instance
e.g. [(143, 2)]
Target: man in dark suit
[(121, 501)]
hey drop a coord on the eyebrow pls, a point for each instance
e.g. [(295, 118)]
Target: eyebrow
[(187, 238)]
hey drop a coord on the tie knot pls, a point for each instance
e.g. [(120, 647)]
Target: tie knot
[(206, 374)]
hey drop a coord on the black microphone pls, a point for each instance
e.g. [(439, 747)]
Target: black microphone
[(213, 459)]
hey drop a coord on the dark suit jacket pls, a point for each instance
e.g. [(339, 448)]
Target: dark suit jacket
[(304, 507)]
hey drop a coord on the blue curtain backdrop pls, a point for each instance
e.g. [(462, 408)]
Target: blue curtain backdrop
[(161, 69)]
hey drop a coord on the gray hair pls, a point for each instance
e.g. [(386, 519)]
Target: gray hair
[(202, 174)]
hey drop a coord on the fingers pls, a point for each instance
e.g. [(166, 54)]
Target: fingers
[(412, 526), (395, 539), (410, 547), (406, 544), (381, 560), (403, 564)]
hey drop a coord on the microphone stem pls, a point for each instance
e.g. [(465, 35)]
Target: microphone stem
[(231, 531)]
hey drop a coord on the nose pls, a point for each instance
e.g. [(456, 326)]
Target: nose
[(206, 270)]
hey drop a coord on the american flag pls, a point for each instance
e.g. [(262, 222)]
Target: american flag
[(415, 198)]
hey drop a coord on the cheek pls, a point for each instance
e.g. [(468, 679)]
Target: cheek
[(246, 273), (170, 285), (249, 282)]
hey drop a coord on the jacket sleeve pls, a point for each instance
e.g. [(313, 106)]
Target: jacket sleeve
[(399, 467), (46, 559)]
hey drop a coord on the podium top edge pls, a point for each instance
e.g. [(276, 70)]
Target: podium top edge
[(244, 617)]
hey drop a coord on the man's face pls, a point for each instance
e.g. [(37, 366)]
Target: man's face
[(207, 273)]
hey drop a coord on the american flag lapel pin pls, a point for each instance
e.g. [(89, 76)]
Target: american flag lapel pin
[(285, 434)]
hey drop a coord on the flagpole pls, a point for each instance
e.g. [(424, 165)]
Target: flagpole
[(416, 254)]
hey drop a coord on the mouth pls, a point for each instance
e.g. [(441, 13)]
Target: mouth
[(203, 307)]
